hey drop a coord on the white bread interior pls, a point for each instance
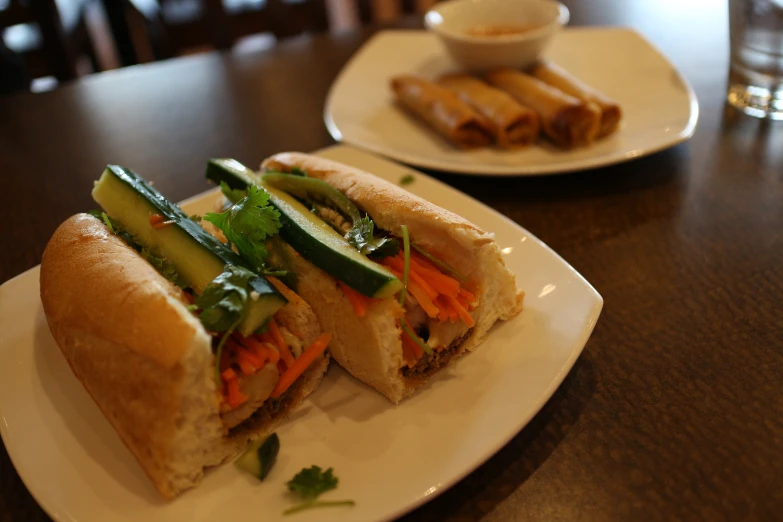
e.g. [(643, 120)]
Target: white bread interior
[(144, 358), (370, 348)]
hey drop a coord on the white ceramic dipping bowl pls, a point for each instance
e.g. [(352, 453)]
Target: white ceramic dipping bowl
[(452, 20)]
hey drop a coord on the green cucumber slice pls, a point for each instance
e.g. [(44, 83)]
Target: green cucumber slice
[(198, 256), (232, 172), (304, 188), (259, 457), (318, 242), (312, 237)]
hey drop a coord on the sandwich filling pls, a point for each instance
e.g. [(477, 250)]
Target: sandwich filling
[(437, 301)]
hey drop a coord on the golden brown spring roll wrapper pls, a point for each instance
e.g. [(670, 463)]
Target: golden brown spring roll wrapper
[(443, 110), (513, 125), (568, 121), (558, 77)]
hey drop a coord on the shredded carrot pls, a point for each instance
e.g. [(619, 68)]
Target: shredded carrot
[(443, 309), (470, 298), (410, 350), (234, 396), (430, 309), (250, 357), (229, 374), (259, 349), (359, 302), (287, 292), (282, 347), (301, 364), (441, 282), (464, 315), (398, 265), (246, 367), (423, 261), (156, 220), (274, 355)]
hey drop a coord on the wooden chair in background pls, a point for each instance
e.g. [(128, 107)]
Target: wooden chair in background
[(175, 27), (49, 43), (374, 10)]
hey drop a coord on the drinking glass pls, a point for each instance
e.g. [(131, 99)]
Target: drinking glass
[(756, 74)]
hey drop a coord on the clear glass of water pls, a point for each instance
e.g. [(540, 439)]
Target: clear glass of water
[(756, 75)]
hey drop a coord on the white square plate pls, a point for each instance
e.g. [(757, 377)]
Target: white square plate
[(389, 459), (660, 108)]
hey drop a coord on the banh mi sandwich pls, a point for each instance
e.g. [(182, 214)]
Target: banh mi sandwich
[(513, 124), (559, 78), (443, 111), (566, 120), (404, 286), (184, 345)]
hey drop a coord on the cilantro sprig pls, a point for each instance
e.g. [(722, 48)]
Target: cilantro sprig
[(247, 225), (362, 236), (311, 483), (224, 305)]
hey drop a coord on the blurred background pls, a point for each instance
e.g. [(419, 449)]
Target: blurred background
[(47, 42)]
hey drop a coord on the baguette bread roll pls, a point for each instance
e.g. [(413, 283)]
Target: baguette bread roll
[(558, 77), (145, 359), (566, 120), (443, 111), (513, 124), (370, 347)]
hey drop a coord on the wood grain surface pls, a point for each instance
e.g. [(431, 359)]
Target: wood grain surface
[(675, 409)]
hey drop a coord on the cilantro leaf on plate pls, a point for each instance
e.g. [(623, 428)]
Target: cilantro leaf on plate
[(309, 484)]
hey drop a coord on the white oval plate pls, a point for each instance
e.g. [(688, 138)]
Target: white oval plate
[(660, 108), (389, 459)]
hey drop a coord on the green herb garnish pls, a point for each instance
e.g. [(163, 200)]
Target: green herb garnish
[(442, 264), (223, 302), (165, 267), (406, 253), (362, 237), (407, 179), (224, 305), (247, 224), (233, 195), (309, 484)]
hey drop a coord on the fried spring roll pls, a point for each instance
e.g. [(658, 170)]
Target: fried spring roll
[(568, 121), (513, 125), (558, 77), (443, 110)]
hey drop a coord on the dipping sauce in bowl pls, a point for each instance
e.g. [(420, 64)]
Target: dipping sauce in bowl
[(481, 35), (500, 30)]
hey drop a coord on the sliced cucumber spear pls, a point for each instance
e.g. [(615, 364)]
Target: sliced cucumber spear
[(198, 256), (259, 457), (312, 237)]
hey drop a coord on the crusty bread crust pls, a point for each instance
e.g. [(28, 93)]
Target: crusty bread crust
[(469, 249), (143, 357)]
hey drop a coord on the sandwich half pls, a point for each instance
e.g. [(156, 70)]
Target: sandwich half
[(398, 314), (182, 396)]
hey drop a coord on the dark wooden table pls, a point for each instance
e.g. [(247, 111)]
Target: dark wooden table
[(674, 410)]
